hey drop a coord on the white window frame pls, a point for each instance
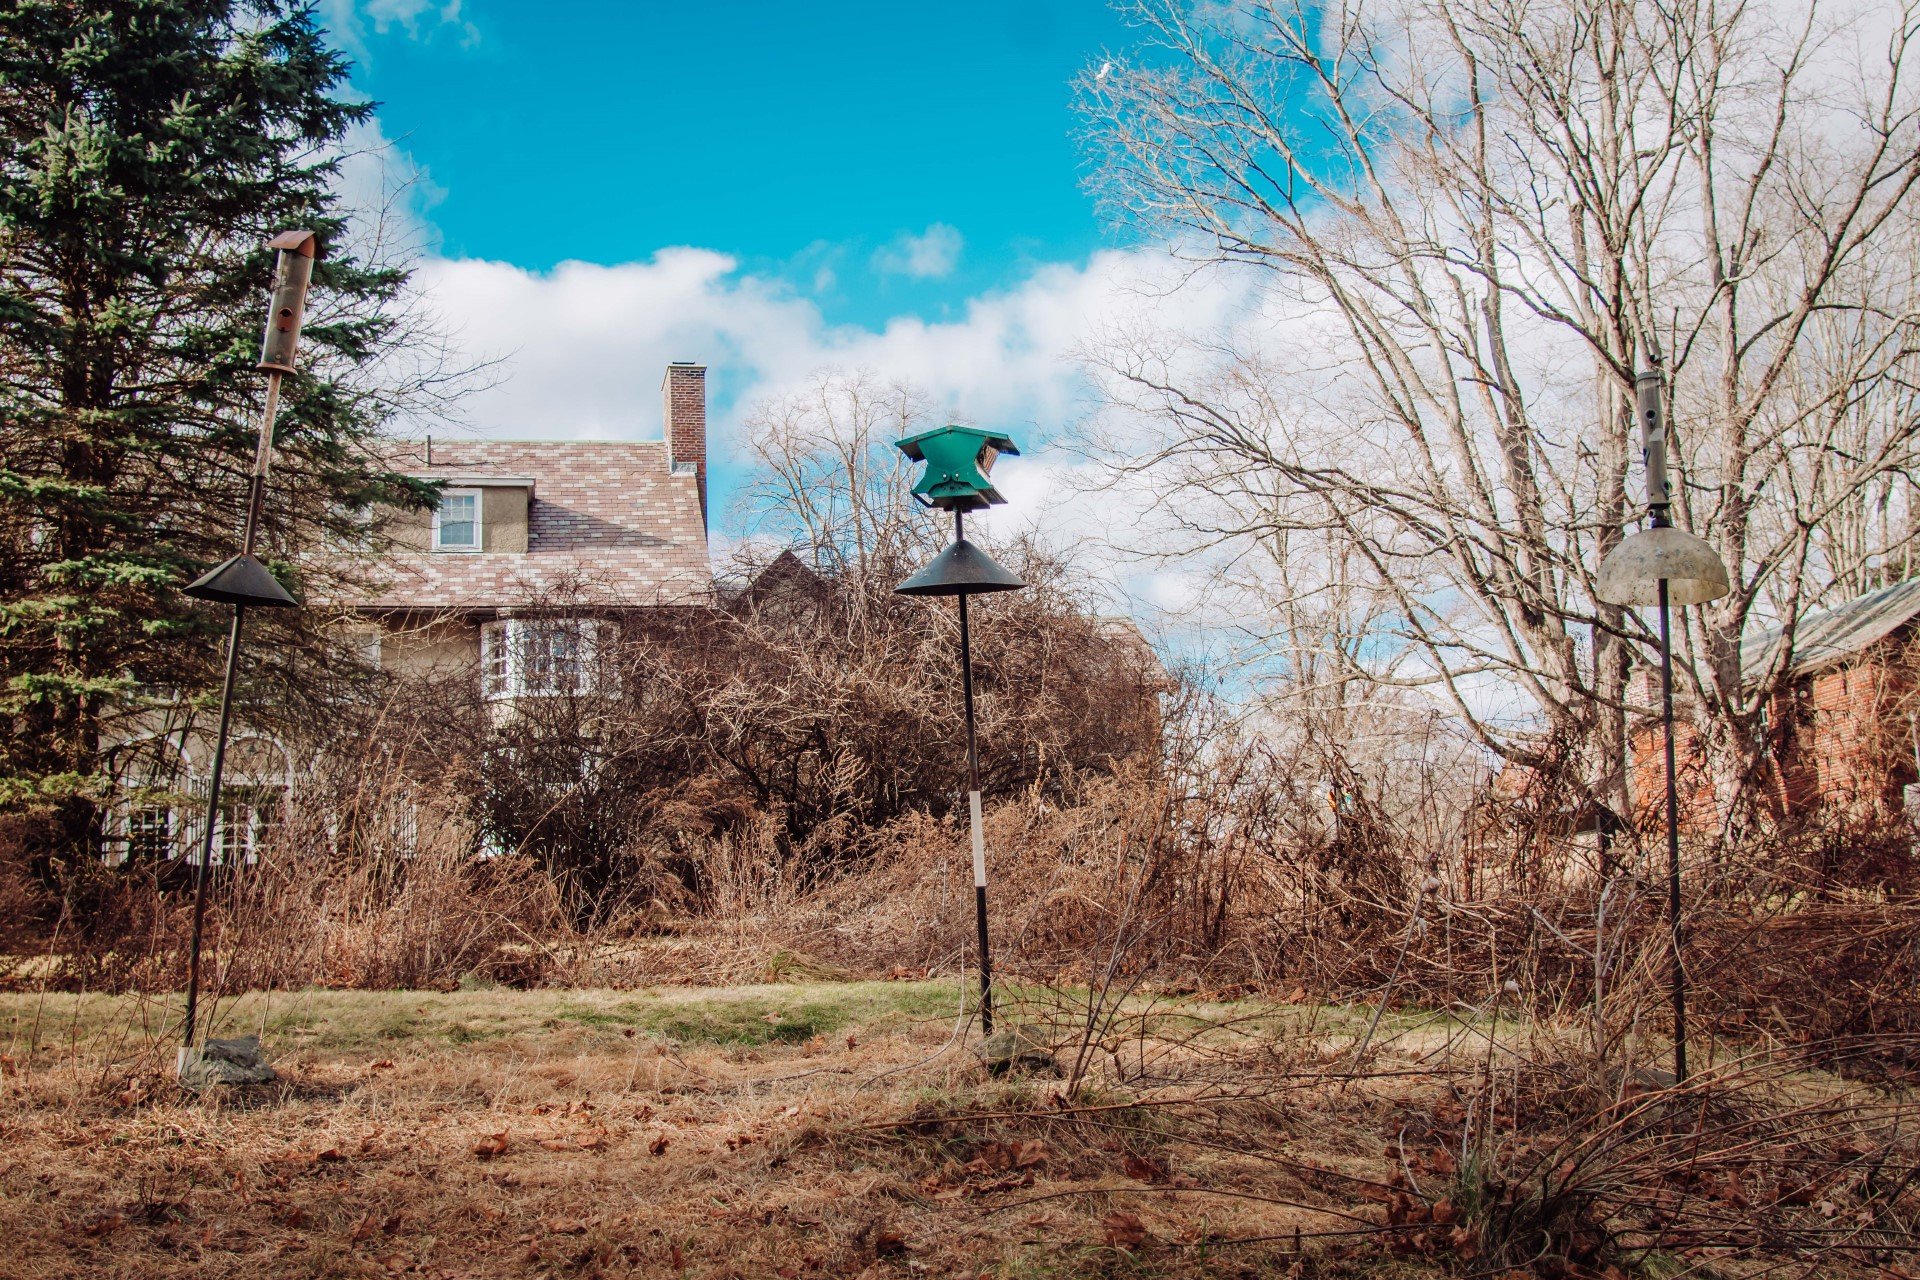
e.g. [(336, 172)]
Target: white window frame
[(510, 663), (152, 834), (479, 530)]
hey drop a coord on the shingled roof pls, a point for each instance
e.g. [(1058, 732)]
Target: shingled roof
[(1835, 634), (609, 524)]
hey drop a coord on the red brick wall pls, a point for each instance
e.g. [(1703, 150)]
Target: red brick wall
[(1842, 737), (1839, 738), (683, 395)]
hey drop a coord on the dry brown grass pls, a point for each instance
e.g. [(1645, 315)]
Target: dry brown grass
[(538, 1133), (842, 1129)]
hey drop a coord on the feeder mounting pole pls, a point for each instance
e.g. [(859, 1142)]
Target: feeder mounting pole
[(293, 271), (973, 802)]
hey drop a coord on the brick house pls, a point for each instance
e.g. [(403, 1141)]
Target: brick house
[(1842, 733), (535, 548)]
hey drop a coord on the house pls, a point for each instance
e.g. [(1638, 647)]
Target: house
[(536, 547), (1842, 734), (536, 543)]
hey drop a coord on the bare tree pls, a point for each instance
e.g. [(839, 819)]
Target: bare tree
[(1467, 222)]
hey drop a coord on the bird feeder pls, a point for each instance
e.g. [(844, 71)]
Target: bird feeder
[(1664, 566), (959, 461), (242, 581)]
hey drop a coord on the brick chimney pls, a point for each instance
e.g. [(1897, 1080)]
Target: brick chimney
[(683, 396)]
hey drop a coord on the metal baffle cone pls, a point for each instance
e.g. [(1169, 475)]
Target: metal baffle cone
[(961, 570), (1632, 572), (241, 580)]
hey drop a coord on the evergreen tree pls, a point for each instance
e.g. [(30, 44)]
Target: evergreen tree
[(148, 148)]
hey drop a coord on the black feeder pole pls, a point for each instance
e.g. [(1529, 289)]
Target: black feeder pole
[(243, 581), (959, 460), (1664, 566)]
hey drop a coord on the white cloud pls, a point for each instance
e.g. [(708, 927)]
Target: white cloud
[(930, 255), (348, 21), (578, 346)]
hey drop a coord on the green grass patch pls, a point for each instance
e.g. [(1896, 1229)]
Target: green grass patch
[(377, 1023)]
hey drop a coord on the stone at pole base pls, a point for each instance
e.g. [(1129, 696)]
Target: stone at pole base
[(236, 1061)]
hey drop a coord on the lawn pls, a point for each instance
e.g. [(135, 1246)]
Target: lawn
[(826, 1129), (785, 1130)]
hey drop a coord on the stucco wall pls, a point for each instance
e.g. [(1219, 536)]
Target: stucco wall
[(503, 522), (503, 519), (441, 649)]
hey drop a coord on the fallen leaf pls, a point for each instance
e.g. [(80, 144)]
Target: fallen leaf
[(106, 1222), (567, 1226), (1028, 1154), (1143, 1169), (494, 1144), (1123, 1231)]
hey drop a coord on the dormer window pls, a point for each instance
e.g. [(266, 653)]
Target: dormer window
[(456, 524)]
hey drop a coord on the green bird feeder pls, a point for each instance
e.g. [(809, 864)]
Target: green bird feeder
[(959, 460)]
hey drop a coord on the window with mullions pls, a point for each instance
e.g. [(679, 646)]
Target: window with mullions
[(456, 522), (540, 657), (247, 816), (150, 834)]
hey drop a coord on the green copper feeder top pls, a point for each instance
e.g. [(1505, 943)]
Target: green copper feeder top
[(958, 459)]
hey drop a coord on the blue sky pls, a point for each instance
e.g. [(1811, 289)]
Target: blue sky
[(885, 159)]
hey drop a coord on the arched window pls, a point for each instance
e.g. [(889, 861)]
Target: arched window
[(253, 798)]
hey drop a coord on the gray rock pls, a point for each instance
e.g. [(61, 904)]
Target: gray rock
[(1016, 1049), (236, 1061)]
